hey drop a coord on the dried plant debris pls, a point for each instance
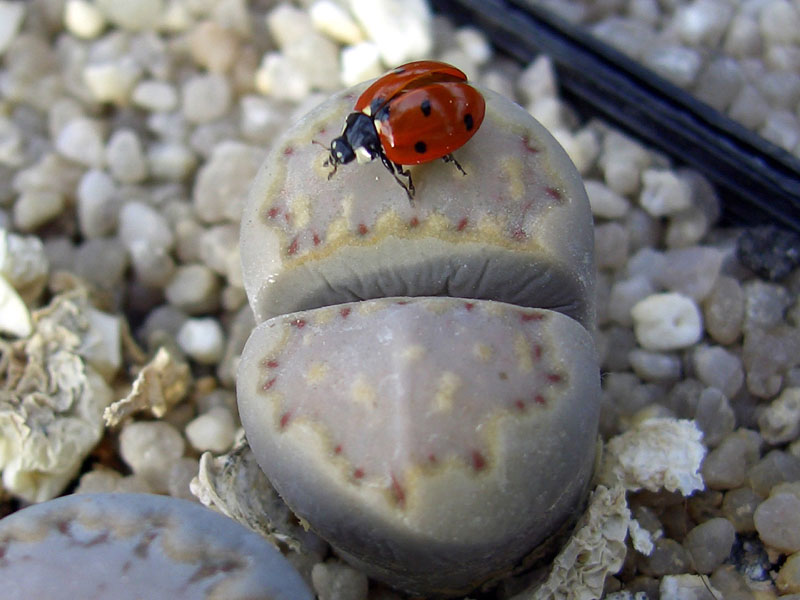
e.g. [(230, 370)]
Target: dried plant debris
[(595, 550), (162, 383), (656, 453), (236, 486), (53, 397)]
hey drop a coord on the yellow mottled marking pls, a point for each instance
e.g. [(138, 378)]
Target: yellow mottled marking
[(512, 173), (495, 309), (300, 211), (446, 388), (317, 371), (492, 227), (522, 350), (413, 352), (482, 352), (363, 392), (337, 229), (323, 316)]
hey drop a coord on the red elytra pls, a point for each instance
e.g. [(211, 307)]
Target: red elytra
[(417, 113)]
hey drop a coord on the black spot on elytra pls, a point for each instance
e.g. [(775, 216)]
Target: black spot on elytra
[(469, 122), (425, 107), (420, 147)]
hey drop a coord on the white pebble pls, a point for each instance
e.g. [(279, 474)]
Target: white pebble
[(749, 107), (141, 223), (664, 193), (402, 29), (261, 119), (24, 264), (474, 44), (333, 20), (82, 19), (667, 322), (624, 295), (538, 80), (702, 22), (337, 581), (112, 81), (780, 22), (125, 157), (743, 37), (782, 128), (205, 98), (81, 140), (202, 339), (11, 15), (360, 62), (214, 47), (98, 204), (213, 431), (677, 64), (133, 15), (655, 366), (154, 95), (605, 202), (277, 76), (222, 184), (194, 289), (15, 318), (219, 249), (149, 448), (170, 161), (717, 367), (36, 207), (780, 422)]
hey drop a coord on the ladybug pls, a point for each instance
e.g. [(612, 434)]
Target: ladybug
[(417, 113)]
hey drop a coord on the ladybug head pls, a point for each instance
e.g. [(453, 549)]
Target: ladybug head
[(341, 153)]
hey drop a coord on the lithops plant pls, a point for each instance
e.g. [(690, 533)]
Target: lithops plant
[(422, 388), (138, 546)]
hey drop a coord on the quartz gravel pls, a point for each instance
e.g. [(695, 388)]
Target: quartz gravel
[(130, 131)]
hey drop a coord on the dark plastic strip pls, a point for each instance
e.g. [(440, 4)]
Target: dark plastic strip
[(758, 182)]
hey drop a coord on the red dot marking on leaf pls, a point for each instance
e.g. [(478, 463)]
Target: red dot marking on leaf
[(315, 239), (337, 449), (520, 405), (401, 302), (273, 212), (272, 363), (292, 247), (539, 399), (554, 377), (299, 323), (553, 193), (287, 217), (269, 384), (288, 151), (532, 317), (527, 141), (363, 229), (432, 459), (398, 492), (519, 234), (413, 222), (537, 352), (358, 473), (345, 312), (462, 224), (285, 418), (478, 461), (469, 305)]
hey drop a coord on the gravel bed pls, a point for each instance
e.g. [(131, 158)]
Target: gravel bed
[(740, 57), (130, 131)]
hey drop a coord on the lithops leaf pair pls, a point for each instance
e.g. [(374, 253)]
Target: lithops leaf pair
[(422, 388), (131, 546)]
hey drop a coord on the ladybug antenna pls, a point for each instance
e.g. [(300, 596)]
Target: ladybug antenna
[(330, 160)]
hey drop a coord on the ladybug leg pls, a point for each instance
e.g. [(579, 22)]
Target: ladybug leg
[(450, 158), (396, 169)]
